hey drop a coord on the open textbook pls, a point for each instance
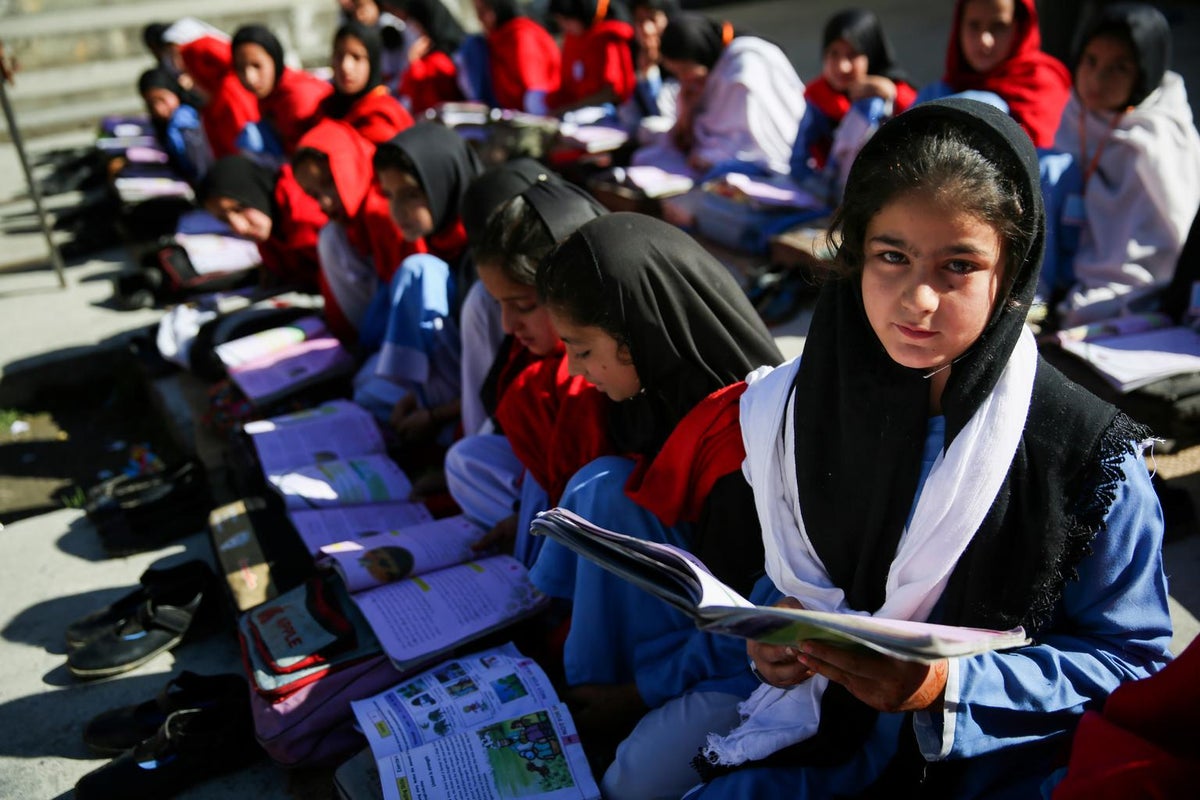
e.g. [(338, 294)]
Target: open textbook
[(321, 526), (300, 365), (370, 478), (486, 726), (680, 579), (391, 555), (331, 431)]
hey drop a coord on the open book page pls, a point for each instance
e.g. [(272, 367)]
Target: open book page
[(1117, 326), (296, 366), (332, 431), (420, 618), (680, 579), (394, 555), (238, 352), (321, 526), (455, 696), (348, 482), (535, 755), (1134, 360), (213, 252)]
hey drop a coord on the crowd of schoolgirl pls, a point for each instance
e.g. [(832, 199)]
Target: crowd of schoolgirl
[(919, 461)]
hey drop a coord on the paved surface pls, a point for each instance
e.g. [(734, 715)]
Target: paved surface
[(51, 568)]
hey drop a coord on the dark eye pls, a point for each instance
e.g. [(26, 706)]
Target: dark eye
[(892, 257), (961, 267)]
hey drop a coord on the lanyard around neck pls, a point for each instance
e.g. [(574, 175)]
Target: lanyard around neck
[(1094, 164)]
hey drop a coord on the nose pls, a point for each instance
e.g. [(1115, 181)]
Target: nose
[(987, 40), (920, 297), (574, 368), (508, 322)]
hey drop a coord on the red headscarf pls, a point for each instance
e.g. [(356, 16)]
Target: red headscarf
[(293, 106), (209, 62), (430, 80), (1035, 84), (524, 58), (598, 58), (377, 116), (291, 251), (555, 423), (704, 447)]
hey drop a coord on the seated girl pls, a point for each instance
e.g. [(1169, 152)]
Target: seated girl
[(660, 326), (515, 64), (360, 248), (654, 91), (359, 96), (860, 84), (920, 462), (177, 125), (597, 55), (201, 56), (269, 207), (740, 100), (423, 172), (289, 100), (431, 76), (393, 59), (995, 54), (550, 422), (1120, 214)]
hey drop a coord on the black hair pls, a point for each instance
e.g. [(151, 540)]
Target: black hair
[(389, 156), (952, 168), (307, 154), (152, 36), (515, 240), (569, 282), (1145, 30)]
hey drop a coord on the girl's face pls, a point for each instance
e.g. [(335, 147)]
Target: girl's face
[(691, 76), (316, 180), (1106, 74), (246, 221), (930, 280), (161, 103), (987, 32), (408, 203), (843, 66), (365, 11), (596, 355), (648, 25), (487, 17), (521, 316), (254, 68), (351, 65)]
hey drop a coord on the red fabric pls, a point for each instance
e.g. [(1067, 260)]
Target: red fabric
[(230, 106), (291, 252), (555, 423), (524, 57), (705, 446), (1144, 743), (450, 244), (294, 105), (430, 80), (598, 58), (377, 116), (1035, 84)]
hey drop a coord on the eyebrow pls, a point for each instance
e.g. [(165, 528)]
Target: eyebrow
[(959, 248)]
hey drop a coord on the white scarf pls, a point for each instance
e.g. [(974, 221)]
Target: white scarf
[(956, 498)]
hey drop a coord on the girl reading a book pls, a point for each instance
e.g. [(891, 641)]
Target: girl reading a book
[(269, 207), (597, 54), (514, 64), (550, 422), (1120, 212), (921, 462), (413, 323), (359, 95), (361, 247), (652, 320)]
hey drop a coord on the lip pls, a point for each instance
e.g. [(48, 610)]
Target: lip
[(916, 334)]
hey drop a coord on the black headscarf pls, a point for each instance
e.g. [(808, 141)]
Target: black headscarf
[(445, 165), (242, 179), (862, 29), (585, 10), (688, 325), (494, 188), (695, 38), (860, 427), (1147, 32), (505, 10), (562, 207), (157, 78), (438, 23), (338, 105), (261, 36)]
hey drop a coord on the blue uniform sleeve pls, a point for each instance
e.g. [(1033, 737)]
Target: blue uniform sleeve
[(1113, 625), (815, 126)]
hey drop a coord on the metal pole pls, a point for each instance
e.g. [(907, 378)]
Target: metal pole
[(15, 133)]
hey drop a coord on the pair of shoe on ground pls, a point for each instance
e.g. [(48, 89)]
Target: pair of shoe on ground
[(168, 604), (197, 727)]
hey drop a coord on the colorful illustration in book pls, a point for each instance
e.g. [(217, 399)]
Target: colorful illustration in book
[(509, 688), (387, 564), (450, 672), (462, 687), (526, 756), (423, 700), (411, 690), (476, 707), (489, 661)]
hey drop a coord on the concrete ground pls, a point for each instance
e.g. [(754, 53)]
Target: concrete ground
[(52, 569)]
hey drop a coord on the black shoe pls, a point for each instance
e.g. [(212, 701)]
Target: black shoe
[(158, 624), (151, 511), (118, 730), (155, 580), (190, 746)]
